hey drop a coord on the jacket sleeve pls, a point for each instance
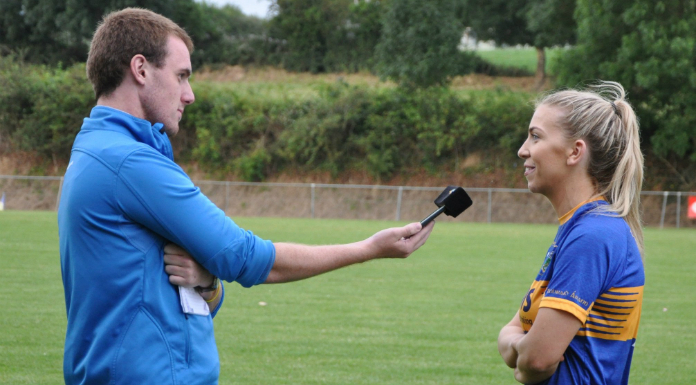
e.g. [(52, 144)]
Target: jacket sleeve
[(156, 193)]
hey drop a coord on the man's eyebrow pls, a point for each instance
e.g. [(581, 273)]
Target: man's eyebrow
[(186, 71)]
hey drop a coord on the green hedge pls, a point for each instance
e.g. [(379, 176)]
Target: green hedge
[(255, 131), (42, 108), (384, 131)]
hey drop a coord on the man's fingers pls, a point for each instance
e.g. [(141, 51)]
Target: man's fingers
[(174, 270), (176, 280), (408, 230), (175, 259), (419, 238), (171, 248)]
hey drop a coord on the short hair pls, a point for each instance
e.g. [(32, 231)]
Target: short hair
[(607, 122), (122, 35)]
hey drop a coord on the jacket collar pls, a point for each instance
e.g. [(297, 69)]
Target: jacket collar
[(111, 119)]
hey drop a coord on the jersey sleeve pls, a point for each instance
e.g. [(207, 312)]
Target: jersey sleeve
[(581, 269), (157, 194)]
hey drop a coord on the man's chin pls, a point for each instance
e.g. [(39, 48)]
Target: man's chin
[(171, 130)]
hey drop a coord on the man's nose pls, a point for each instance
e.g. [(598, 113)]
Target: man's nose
[(187, 97)]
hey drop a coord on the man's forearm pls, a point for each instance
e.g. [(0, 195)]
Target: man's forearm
[(295, 262)]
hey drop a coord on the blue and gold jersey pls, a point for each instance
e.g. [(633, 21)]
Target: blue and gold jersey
[(593, 271)]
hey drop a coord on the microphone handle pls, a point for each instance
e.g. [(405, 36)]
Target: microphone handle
[(432, 216)]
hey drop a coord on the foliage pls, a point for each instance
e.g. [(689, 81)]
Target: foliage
[(540, 23), (418, 47), (327, 35), (234, 133), (503, 21), (41, 109), (309, 27), (650, 48), (53, 32), (383, 131), (551, 22)]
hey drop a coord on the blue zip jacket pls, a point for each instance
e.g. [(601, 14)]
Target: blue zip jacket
[(123, 199)]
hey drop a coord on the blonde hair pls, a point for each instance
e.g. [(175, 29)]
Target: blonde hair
[(607, 123)]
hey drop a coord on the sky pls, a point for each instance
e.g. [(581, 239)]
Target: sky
[(258, 8)]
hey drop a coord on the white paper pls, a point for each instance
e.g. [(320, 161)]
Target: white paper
[(192, 302)]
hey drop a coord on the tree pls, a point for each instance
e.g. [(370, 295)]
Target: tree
[(225, 35), (309, 27), (359, 35), (551, 23), (650, 48), (51, 32), (540, 23), (418, 47)]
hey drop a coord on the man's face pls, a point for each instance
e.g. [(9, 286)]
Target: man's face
[(169, 91)]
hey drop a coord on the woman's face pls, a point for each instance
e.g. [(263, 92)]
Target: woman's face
[(545, 152)]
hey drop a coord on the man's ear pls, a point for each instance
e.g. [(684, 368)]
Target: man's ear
[(579, 153), (138, 68)]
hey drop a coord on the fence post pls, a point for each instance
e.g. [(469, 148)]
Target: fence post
[(313, 200), (398, 203), (678, 207), (664, 208), (60, 191), (490, 204)]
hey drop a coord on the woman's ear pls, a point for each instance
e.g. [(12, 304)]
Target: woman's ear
[(138, 68), (579, 153)]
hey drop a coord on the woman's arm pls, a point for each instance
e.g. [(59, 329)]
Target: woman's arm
[(541, 350), (508, 337)]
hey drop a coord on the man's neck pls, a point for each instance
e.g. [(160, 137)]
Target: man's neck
[(123, 100)]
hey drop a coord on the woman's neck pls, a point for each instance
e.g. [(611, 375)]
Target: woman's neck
[(572, 195)]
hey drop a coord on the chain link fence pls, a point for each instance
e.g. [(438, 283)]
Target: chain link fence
[(341, 201)]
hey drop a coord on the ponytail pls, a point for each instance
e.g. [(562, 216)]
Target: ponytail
[(609, 126)]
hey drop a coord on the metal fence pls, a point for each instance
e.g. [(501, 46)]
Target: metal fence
[(400, 203)]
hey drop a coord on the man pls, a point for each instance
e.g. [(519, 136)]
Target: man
[(124, 199)]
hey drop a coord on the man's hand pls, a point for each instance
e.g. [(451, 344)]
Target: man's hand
[(399, 242), (183, 270)]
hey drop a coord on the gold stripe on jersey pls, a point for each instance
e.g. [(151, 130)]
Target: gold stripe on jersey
[(565, 305), (615, 315)]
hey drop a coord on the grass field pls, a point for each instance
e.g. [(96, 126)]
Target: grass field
[(430, 319), (525, 58)]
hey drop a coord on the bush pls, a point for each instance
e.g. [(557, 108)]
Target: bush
[(42, 109), (258, 131), (384, 131)]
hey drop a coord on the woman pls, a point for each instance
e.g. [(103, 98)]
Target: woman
[(578, 322)]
